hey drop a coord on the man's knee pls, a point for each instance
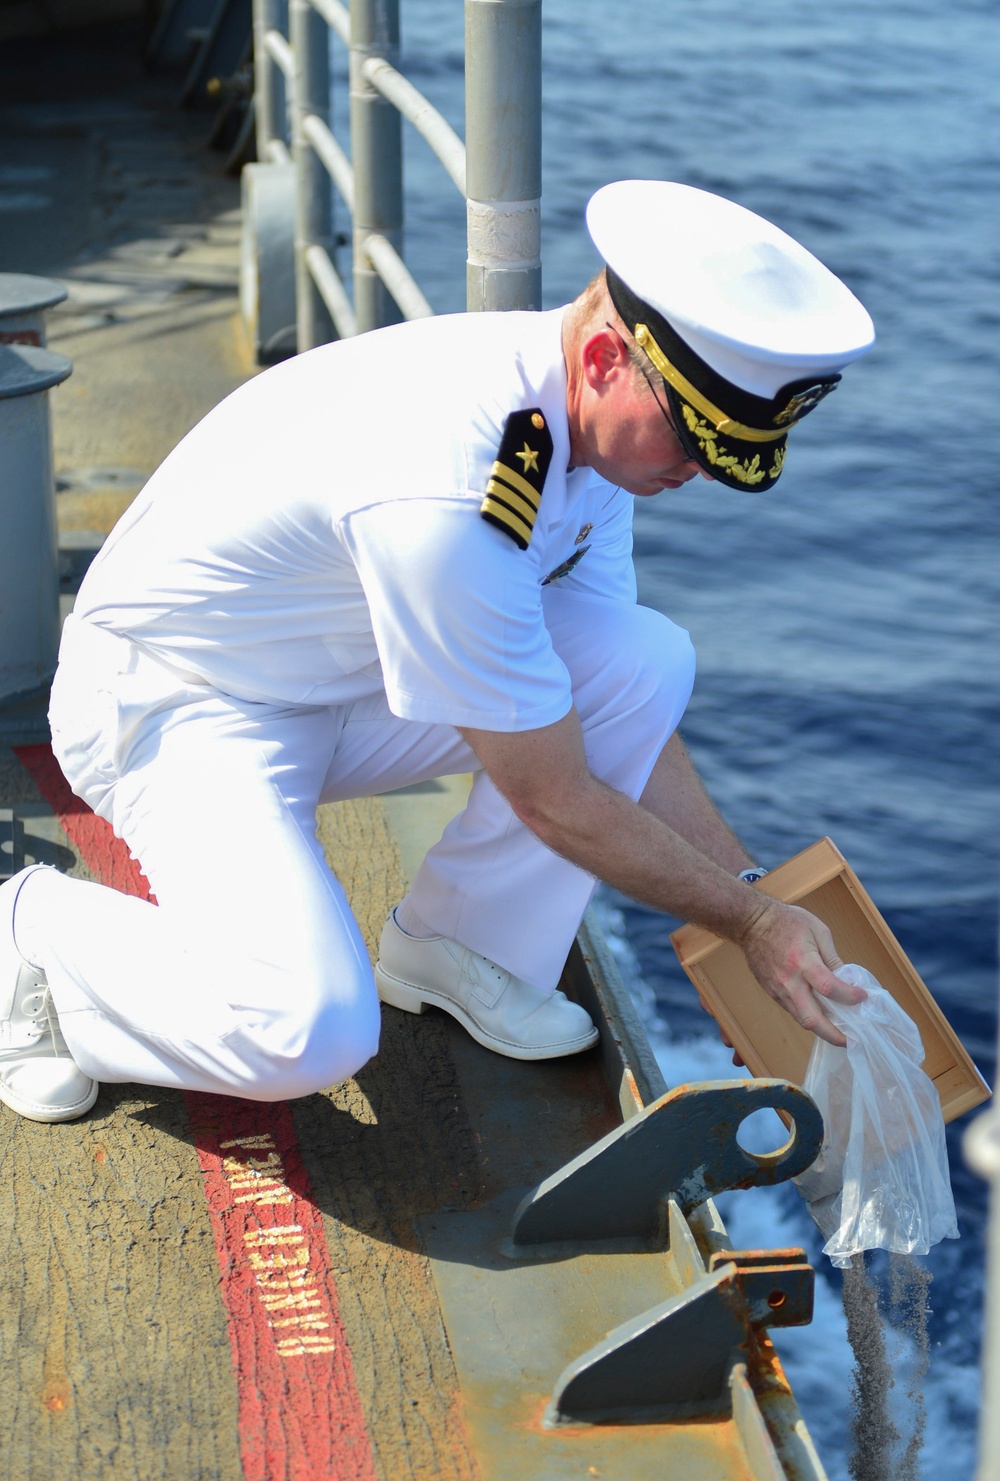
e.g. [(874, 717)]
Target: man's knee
[(279, 1078), (656, 656), (317, 1038), (641, 668)]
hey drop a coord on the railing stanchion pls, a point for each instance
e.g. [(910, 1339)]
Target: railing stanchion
[(503, 108), (269, 119), (499, 172), (313, 208), (981, 1144), (377, 155)]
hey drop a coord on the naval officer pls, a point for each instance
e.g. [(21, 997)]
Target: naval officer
[(386, 560)]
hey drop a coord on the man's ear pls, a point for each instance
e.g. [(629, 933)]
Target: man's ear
[(603, 358)]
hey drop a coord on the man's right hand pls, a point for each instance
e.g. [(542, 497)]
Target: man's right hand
[(792, 955)]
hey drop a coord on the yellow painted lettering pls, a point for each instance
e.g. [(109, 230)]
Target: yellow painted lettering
[(276, 1234)]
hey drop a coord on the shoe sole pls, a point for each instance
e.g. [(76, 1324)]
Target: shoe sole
[(412, 999), (32, 1111)]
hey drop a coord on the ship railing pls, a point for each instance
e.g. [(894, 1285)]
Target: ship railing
[(982, 1152), (497, 169)]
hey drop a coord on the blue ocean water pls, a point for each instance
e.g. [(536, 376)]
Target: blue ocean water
[(848, 623)]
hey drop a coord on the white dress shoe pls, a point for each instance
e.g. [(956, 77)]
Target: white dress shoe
[(38, 1076), (499, 1010)]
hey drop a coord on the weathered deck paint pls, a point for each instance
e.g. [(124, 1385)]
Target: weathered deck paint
[(299, 1411)]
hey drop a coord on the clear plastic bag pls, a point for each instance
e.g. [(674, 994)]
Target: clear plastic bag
[(881, 1180)]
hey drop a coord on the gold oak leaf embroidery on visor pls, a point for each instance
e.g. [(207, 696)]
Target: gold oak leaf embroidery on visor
[(514, 489), (746, 470)]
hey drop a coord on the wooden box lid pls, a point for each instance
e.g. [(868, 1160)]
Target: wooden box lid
[(767, 1038)]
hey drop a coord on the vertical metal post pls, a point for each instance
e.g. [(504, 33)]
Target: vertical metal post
[(267, 101), (29, 571), (981, 1145), (313, 211), (503, 141), (377, 155)]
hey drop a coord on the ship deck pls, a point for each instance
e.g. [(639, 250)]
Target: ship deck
[(197, 1287)]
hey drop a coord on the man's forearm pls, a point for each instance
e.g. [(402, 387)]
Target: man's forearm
[(676, 795), (631, 848), (790, 952)]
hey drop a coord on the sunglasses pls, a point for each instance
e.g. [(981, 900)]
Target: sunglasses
[(649, 382)]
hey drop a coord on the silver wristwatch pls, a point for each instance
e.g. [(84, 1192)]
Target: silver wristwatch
[(751, 876)]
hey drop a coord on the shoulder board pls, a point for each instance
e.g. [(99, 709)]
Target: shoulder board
[(514, 490)]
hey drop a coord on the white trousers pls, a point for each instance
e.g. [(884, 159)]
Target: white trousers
[(250, 976)]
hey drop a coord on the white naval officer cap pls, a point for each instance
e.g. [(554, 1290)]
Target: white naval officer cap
[(748, 330)]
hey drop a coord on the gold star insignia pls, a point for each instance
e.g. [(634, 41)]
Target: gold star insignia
[(528, 458)]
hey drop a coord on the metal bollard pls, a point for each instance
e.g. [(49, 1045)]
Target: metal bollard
[(23, 301), (29, 568)]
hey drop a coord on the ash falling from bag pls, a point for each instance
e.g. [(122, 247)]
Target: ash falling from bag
[(879, 1453), (872, 1430), (909, 1288)]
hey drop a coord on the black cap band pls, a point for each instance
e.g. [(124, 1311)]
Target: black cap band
[(736, 436)]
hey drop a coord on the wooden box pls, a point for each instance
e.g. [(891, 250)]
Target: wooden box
[(767, 1038)]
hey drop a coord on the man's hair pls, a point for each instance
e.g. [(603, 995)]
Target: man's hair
[(641, 362), (591, 300), (594, 304)]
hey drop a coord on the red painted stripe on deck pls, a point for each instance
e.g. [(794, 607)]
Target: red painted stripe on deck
[(300, 1416), (107, 858)]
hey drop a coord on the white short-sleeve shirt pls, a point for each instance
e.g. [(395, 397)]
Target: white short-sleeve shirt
[(317, 537)]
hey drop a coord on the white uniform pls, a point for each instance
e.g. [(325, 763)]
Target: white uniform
[(302, 605)]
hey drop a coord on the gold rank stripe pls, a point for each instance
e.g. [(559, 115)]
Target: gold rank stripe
[(683, 387), (524, 507), (515, 523), (516, 481)]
